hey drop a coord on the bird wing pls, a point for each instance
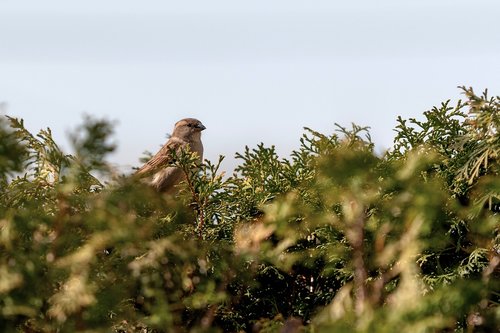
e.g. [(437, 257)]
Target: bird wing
[(163, 157)]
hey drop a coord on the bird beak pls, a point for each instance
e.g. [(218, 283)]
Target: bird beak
[(201, 126)]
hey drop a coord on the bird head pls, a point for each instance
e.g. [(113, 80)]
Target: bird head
[(188, 128)]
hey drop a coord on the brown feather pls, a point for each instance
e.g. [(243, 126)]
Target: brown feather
[(163, 157)]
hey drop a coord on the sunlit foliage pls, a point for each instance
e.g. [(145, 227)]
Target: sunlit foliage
[(335, 238)]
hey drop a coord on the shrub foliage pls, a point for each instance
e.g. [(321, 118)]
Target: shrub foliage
[(335, 238)]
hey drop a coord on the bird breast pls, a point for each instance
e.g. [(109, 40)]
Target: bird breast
[(165, 179), (197, 147)]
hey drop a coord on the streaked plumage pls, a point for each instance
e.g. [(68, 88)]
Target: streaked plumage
[(158, 170)]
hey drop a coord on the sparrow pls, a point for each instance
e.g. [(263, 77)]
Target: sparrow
[(160, 173)]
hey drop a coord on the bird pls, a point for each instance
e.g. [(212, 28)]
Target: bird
[(159, 171)]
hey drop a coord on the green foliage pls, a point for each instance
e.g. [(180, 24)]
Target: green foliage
[(335, 238)]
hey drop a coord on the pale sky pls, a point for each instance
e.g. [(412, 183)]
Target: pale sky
[(251, 71)]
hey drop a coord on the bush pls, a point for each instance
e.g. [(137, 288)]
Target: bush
[(334, 239)]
